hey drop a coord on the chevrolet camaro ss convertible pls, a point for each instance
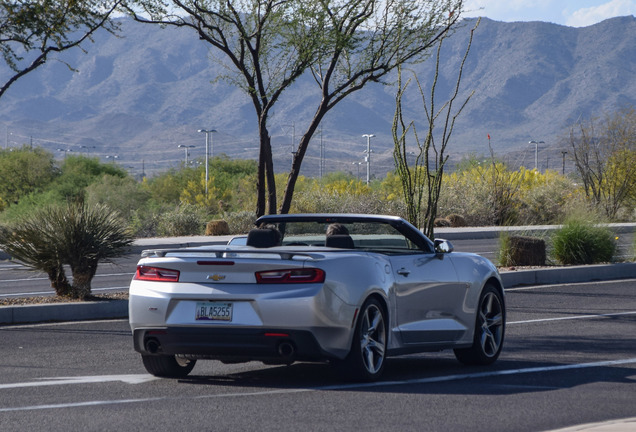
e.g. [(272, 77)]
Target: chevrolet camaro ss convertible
[(346, 289)]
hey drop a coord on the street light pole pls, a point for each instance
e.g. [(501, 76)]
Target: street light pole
[(207, 155), (186, 147), (357, 164), (536, 152), (367, 159)]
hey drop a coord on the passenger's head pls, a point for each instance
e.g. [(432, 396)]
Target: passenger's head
[(337, 229)]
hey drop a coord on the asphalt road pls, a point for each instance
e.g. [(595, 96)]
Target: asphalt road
[(569, 358)]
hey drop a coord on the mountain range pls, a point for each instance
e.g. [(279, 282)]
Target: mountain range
[(134, 98)]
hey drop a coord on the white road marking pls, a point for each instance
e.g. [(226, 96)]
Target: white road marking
[(25, 279), (63, 323), (322, 388), (45, 382), (577, 317), (35, 293), (569, 284), (46, 278)]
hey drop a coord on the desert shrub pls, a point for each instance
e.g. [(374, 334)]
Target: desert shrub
[(492, 194), (485, 194), (217, 227), (184, 220), (144, 221), (456, 220), (442, 223), (582, 242), (544, 198), (123, 194), (345, 195), (240, 222)]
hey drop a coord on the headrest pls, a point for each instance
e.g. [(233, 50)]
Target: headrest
[(263, 238), (343, 241)]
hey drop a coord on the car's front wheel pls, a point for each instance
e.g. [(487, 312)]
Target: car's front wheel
[(489, 330), (366, 359), (168, 366)]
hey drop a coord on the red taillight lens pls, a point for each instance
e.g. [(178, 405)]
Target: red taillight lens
[(156, 274), (306, 275)]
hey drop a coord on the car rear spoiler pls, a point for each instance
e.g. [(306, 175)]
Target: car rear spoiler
[(223, 253)]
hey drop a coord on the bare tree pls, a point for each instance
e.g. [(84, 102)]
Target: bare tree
[(32, 30), (604, 154), (430, 158), (265, 41), (364, 41)]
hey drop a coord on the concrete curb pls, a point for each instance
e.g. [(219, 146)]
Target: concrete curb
[(573, 274), (113, 309), (74, 311)]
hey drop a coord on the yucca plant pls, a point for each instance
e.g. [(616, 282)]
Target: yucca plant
[(33, 244), (75, 235)]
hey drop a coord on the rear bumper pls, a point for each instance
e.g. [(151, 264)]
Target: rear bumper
[(231, 345)]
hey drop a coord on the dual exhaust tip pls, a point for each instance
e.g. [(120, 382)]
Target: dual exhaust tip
[(286, 349)]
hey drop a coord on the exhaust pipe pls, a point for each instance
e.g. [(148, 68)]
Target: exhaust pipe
[(152, 345), (286, 350)]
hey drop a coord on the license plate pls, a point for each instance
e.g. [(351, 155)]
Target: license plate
[(213, 311)]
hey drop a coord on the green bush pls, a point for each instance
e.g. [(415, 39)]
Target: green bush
[(581, 242), (185, 220), (122, 194), (144, 221)]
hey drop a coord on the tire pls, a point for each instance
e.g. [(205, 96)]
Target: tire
[(168, 366), (490, 327), (366, 359)]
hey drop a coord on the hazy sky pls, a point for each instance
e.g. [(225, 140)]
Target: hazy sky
[(574, 13)]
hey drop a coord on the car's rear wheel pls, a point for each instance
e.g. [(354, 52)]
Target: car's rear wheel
[(489, 330), (366, 359), (168, 366)]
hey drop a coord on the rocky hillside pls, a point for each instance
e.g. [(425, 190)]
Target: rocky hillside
[(139, 96)]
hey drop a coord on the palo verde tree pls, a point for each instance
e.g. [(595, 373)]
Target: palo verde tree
[(364, 41), (604, 154), (430, 157), (265, 41), (32, 30)]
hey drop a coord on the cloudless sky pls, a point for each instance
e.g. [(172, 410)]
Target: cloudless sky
[(573, 13)]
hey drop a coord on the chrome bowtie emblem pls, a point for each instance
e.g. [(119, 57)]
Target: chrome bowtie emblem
[(216, 277)]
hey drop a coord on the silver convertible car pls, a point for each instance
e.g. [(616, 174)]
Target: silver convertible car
[(347, 289)]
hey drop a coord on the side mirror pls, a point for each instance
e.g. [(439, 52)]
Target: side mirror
[(443, 246)]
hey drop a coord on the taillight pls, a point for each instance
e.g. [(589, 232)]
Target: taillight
[(285, 276), (156, 274)]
